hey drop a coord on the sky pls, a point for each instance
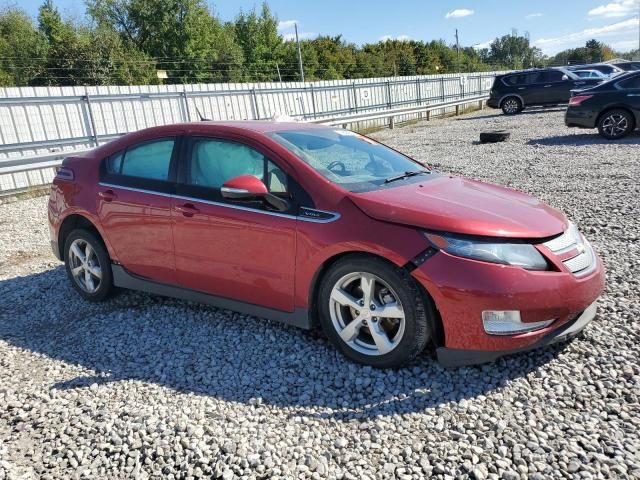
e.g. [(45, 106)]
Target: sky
[(553, 25)]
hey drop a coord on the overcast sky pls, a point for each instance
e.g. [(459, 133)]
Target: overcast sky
[(553, 25)]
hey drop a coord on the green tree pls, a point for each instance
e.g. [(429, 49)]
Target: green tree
[(261, 44), (22, 49)]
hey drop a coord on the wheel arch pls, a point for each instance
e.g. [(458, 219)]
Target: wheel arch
[(73, 222), (619, 107), (437, 328)]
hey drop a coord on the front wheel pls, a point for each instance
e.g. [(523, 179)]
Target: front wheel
[(615, 124), (373, 312)]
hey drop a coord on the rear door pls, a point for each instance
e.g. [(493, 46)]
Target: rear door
[(234, 249), (631, 90), (134, 206)]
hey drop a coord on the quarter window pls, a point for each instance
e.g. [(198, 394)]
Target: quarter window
[(214, 162)]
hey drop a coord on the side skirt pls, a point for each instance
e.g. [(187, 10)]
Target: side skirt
[(121, 278)]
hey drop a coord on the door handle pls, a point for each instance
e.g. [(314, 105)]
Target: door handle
[(547, 86), (522, 88), (107, 195), (188, 209), (633, 94)]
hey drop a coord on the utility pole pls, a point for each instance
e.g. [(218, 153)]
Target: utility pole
[(457, 52), (299, 54), (279, 76)]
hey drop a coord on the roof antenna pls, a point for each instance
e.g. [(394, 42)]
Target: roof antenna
[(202, 117)]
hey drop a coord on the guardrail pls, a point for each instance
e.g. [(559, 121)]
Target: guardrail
[(37, 133)]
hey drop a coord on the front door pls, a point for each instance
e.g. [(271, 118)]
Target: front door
[(238, 250), (134, 207)]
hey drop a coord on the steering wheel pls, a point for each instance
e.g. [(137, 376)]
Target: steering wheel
[(342, 167)]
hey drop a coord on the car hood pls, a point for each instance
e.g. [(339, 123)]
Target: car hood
[(458, 205)]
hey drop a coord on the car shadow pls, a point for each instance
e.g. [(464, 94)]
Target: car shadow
[(531, 111), (581, 139), (205, 351)]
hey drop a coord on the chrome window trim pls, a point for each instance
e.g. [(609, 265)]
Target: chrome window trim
[(334, 215)]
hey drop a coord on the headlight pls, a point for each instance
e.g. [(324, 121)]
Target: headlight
[(517, 254)]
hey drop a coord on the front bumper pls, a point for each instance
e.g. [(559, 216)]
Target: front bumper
[(452, 357), (462, 289)]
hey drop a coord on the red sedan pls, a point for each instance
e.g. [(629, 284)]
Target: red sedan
[(314, 225)]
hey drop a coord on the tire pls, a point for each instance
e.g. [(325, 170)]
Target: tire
[(93, 280), (511, 105), (349, 325), (616, 124), (494, 137)]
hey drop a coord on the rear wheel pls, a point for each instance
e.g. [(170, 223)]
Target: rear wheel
[(88, 265), (373, 312), (615, 124), (511, 105)]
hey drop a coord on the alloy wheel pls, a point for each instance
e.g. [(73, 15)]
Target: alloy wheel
[(615, 125), (85, 265), (510, 105), (367, 314)]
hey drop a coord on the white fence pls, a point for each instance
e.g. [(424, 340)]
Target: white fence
[(41, 123)]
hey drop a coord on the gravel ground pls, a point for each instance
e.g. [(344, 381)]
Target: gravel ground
[(144, 386)]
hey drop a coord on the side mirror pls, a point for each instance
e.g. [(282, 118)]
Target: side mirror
[(248, 187), (565, 78), (244, 187)]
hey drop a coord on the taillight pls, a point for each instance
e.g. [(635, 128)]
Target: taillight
[(64, 173), (578, 100)]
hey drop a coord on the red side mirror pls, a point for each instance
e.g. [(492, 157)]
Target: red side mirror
[(244, 187)]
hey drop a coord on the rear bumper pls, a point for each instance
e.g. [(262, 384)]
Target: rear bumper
[(493, 103), (452, 357), (580, 117)]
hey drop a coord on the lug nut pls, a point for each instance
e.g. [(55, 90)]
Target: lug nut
[(373, 307)]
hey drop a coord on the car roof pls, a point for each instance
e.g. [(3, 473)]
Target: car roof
[(261, 126)]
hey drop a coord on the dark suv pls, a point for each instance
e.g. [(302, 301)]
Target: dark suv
[(515, 91)]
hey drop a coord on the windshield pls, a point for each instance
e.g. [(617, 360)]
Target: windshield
[(353, 161)]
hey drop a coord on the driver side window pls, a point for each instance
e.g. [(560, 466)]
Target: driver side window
[(214, 162)]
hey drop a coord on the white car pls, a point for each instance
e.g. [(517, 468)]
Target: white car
[(589, 74)]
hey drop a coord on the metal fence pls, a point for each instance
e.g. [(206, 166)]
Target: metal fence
[(41, 125)]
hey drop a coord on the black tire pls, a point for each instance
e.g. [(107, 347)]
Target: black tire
[(511, 105), (104, 287), (418, 311), (494, 137), (616, 124)]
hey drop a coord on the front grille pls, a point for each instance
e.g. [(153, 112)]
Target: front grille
[(571, 241)]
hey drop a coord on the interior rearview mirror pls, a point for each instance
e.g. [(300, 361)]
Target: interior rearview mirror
[(248, 187)]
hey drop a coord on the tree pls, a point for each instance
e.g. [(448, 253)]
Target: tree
[(515, 52), (22, 49), (260, 42)]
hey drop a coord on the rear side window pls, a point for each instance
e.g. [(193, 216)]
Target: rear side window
[(515, 80), (149, 160), (630, 84), (552, 76)]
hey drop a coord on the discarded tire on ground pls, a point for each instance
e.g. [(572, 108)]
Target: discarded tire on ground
[(494, 136)]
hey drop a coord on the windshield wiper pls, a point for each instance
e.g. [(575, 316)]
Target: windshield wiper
[(405, 175)]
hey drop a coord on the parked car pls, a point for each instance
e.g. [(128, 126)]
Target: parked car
[(514, 92), (315, 225), (628, 66), (607, 69), (612, 107), (590, 74)]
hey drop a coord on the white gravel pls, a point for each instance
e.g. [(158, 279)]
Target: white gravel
[(144, 386)]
